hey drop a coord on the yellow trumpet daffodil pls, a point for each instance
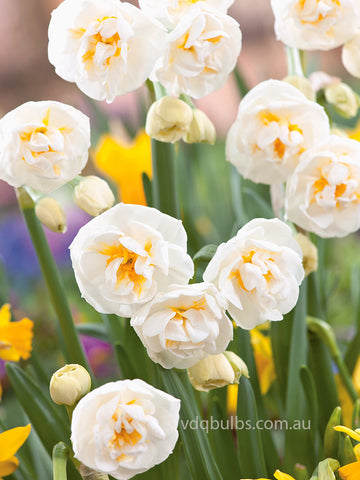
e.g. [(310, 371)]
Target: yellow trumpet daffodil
[(15, 337), (10, 442), (125, 164), (263, 358), (351, 471)]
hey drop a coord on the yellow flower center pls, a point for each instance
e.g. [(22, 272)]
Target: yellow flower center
[(267, 118), (28, 136), (247, 258), (303, 4), (180, 316), (127, 268), (322, 182), (127, 435)]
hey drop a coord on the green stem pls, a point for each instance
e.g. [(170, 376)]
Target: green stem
[(60, 456), (52, 280), (325, 332), (294, 62), (164, 188)]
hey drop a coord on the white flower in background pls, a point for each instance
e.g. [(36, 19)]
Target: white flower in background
[(43, 145), (106, 47), (183, 325), (201, 53), (126, 255), (171, 11), (258, 272), (275, 124), (323, 195), (351, 55), (124, 428), (315, 24)]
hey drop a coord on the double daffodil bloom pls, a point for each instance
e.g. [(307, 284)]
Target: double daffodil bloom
[(10, 442), (125, 164)]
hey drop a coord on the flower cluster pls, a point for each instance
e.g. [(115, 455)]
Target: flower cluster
[(111, 47), (281, 136)]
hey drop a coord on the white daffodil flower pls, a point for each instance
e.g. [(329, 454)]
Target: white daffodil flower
[(323, 195), (43, 145), (315, 24), (202, 51), (106, 47), (351, 55), (183, 325), (169, 12), (258, 272), (275, 124), (126, 255), (124, 428)]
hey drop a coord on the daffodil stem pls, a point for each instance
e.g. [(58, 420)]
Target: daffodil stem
[(163, 155), (294, 63), (52, 280), (60, 457)]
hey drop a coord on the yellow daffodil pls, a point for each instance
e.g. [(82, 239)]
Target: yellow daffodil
[(354, 434), (125, 164), (10, 442), (346, 403), (356, 373), (351, 471), (263, 358), (15, 337)]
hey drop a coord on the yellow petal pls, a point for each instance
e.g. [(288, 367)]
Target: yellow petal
[(125, 164), (7, 467), (357, 451), (346, 403), (15, 340), (350, 471), (282, 476), (11, 440), (5, 315), (232, 393), (263, 358), (352, 433)]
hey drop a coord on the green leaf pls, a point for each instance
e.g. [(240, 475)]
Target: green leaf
[(205, 254), (250, 446), (295, 398), (308, 384), (200, 459), (222, 441), (42, 413), (147, 189), (96, 330), (332, 437)]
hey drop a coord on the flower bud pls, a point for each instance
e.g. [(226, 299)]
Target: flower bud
[(310, 253), (51, 214), (302, 84), (238, 365), (344, 100), (69, 384), (93, 195), (201, 129), (326, 469), (216, 371), (168, 119)]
